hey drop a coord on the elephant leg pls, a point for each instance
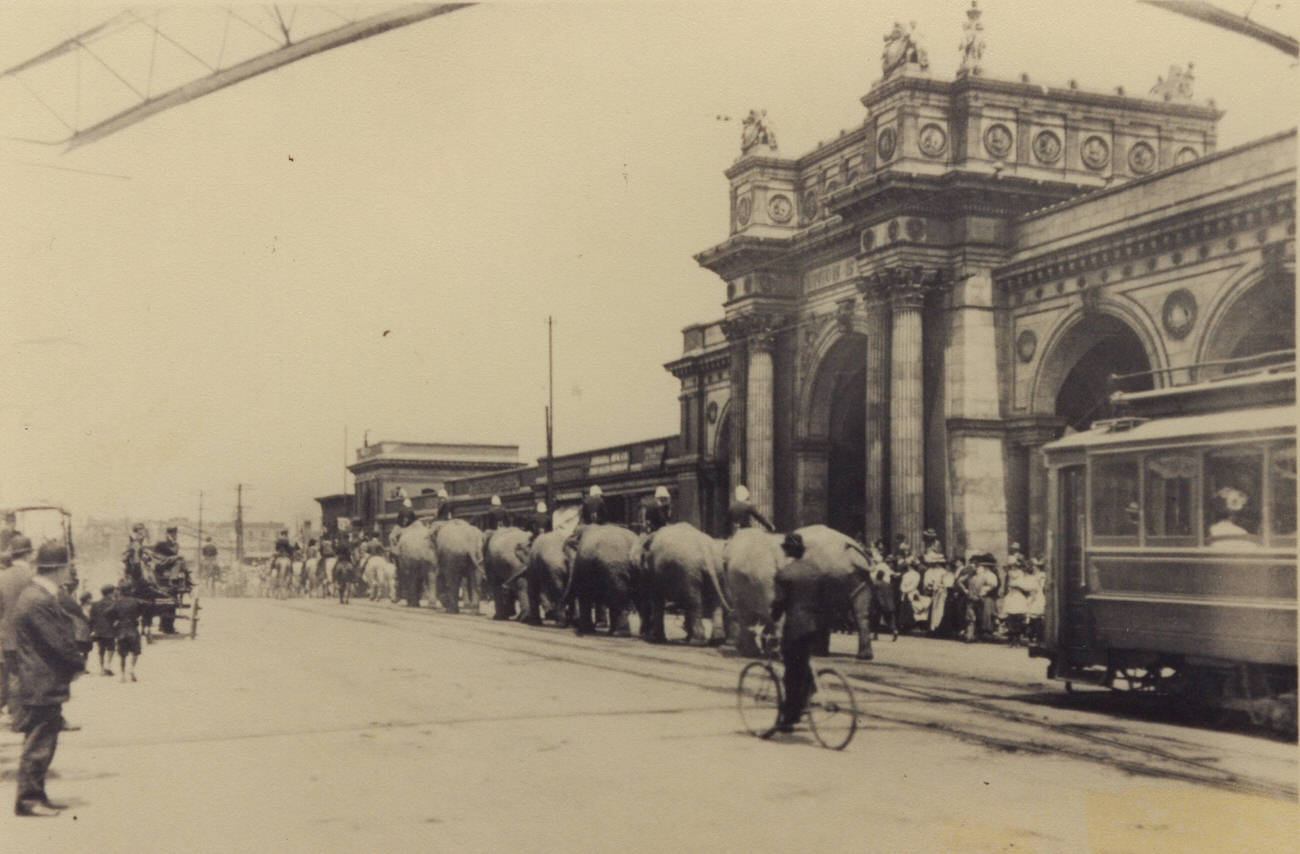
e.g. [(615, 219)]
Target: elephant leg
[(532, 609), (451, 595), (657, 634), (717, 627), (618, 624), (526, 603), (499, 604), (863, 611)]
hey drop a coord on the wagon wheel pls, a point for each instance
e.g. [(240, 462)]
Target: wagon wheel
[(194, 617)]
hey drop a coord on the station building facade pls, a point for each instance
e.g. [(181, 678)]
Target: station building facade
[(914, 308)]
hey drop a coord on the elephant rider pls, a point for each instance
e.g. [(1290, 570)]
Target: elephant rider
[(444, 506), (498, 516), (660, 513), (136, 557), (541, 522), (804, 597), (406, 515), (740, 512), (593, 507)]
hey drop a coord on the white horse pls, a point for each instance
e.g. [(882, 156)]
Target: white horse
[(380, 577)]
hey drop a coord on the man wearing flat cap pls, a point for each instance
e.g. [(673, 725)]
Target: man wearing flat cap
[(48, 661)]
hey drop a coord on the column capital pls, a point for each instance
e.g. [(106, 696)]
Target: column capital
[(756, 328), (905, 285)]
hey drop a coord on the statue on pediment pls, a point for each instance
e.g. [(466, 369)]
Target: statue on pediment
[(902, 49), (972, 43), (1176, 87), (755, 132)]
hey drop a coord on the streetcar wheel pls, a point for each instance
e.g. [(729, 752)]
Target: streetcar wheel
[(758, 697), (833, 712)]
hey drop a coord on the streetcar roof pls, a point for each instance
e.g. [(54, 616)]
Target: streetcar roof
[(1213, 425)]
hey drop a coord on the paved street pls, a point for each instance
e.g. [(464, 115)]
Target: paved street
[(305, 726)]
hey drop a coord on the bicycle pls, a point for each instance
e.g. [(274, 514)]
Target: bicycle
[(832, 711)]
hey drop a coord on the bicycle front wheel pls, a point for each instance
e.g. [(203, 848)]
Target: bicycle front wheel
[(833, 712), (758, 696)]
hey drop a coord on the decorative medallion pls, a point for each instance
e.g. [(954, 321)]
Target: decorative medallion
[(933, 140), (1185, 155), (893, 230), (1142, 158), (998, 140), (1047, 146), (868, 240), (916, 230), (886, 142), (1095, 152), (712, 412), (810, 205), (780, 208), (744, 208), (1026, 345), (1179, 313)]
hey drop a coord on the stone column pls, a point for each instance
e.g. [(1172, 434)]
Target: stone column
[(906, 430), (1031, 435), (876, 408), (760, 422)]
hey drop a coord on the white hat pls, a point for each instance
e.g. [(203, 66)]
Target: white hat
[(496, 501), (742, 494), (442, 493), (662, 492), (541, 507), (595, 490)]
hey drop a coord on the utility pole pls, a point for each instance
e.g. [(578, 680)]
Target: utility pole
[(239, 525), (198, 559), (550, 415)]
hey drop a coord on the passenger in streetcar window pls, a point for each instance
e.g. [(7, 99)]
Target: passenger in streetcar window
[(1225, 532)]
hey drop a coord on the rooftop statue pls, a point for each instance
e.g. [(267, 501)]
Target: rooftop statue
[(755, 132), (1178, 86), (901, 50), (972, 43)]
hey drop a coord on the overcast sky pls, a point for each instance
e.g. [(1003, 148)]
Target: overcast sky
[(217, 314)]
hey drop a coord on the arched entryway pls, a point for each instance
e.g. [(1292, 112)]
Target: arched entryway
[(834, 456), (1076, 378), (1257, 322)]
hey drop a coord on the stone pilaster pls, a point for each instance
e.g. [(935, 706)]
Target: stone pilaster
[(1032, 434), (876, 407), (760, 425), (906, 407)]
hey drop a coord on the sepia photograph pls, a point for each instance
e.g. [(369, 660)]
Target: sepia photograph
[(649, 426)]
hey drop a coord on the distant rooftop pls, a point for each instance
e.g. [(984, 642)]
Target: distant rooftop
[(457, 452)]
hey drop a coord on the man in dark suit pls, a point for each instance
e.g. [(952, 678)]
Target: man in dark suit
[(13, 579), (48, 661), (804, 598)]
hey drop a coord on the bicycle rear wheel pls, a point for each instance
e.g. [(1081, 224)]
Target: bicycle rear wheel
[(833, 712), (758, 697)]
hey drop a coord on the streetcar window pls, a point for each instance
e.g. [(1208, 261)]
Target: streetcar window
[(1282, 491), (1170, 489), (1115, 508), (1233, 490)]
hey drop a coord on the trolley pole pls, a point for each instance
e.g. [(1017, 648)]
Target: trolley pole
[(550, 415), (239, 525), (198, 548)]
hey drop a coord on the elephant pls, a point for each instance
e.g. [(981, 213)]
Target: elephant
[(547, 576), (681, 565), (602, 574), (505, 561), (458, 562), (844, 560), (379, 575), (415, 558), (750, 561)]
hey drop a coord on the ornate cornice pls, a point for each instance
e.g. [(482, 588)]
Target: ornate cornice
[(904, 282), (690, 366), (758, 328), (1174, 233)]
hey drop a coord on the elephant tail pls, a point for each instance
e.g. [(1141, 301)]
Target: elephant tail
[(717, 589)]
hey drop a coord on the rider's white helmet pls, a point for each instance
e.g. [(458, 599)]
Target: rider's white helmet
[(742, 493), (496, 501), (595, 490), (442, 493), (661, 492), (541, 507)]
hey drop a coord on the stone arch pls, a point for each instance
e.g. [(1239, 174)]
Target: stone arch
[(722, 435), (1254, 313), (812, 415), (833, 451), (1076, 335)]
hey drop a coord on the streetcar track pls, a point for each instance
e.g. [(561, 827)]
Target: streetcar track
[(419, 621)]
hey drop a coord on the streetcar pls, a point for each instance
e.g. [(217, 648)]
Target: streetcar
[(1172, 531)]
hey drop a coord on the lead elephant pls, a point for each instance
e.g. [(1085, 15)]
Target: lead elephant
[(750, 561), (844, 561), (458, 563), (681, 565), (505, 558), (602, 575), (547, 576), (414, 555)]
